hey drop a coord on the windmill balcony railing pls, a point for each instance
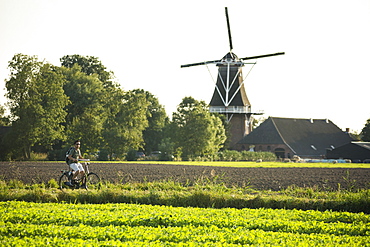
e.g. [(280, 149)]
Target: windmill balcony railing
[(232, 109)]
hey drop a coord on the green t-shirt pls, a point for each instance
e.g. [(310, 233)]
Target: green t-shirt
[(75, 154)]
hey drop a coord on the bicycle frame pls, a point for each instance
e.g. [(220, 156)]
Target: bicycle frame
[(81, 182)]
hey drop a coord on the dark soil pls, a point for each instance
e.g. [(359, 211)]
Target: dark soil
[(257, 178)]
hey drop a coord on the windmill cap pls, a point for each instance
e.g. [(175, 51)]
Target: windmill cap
[(230, 55)]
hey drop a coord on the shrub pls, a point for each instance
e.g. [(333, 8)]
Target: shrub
[(57, 154), (131, 155), (103, 155), (254, 156), (230, 155), (38, 156), (233, 155)]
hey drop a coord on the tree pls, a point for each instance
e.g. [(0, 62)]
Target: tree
[(257, 122), (157, 118), (124, 127), (36, 101), (89, 65), (197, 131), (104, 116), (87, 112), (366, 132), (95, 98), (4, 121), (4, 129)]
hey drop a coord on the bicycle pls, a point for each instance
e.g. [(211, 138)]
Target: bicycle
[(89, 180)]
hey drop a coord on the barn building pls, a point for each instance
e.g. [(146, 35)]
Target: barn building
[(357, 152), (286, 137)]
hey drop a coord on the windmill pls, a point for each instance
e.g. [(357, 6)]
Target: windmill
[(229, 97)]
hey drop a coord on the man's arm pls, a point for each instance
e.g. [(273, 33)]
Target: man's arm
[(70, 155), (71, 158)]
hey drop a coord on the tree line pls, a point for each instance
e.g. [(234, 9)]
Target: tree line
[(51, 106)]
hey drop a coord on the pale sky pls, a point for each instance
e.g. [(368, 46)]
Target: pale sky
[(325, 72)]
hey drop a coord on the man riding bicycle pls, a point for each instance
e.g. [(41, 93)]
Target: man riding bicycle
[(73, 156)]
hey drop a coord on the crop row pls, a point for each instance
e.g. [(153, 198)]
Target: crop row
[(129, 224)]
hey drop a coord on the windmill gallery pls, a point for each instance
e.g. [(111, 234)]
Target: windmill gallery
[(285, 137)]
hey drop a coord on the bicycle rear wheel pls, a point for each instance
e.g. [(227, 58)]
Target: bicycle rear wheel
[(93, 181), (62, 182)]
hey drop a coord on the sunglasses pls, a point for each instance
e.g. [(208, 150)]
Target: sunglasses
[(78, 144)]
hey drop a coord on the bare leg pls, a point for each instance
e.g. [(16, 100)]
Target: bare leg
[(75, 174)]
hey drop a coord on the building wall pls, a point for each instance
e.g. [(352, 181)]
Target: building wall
[(238, 129)]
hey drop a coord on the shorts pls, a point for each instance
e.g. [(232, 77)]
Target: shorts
[(76, 167)]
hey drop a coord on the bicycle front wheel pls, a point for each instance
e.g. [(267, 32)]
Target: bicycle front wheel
[(62, 182), (92, 181)]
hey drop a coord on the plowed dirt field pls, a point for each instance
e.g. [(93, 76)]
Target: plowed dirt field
[(258, 178)]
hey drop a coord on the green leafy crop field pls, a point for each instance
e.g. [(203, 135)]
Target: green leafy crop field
[(62, 224)]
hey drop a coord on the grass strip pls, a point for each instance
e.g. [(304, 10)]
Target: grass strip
[(205, 195)]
